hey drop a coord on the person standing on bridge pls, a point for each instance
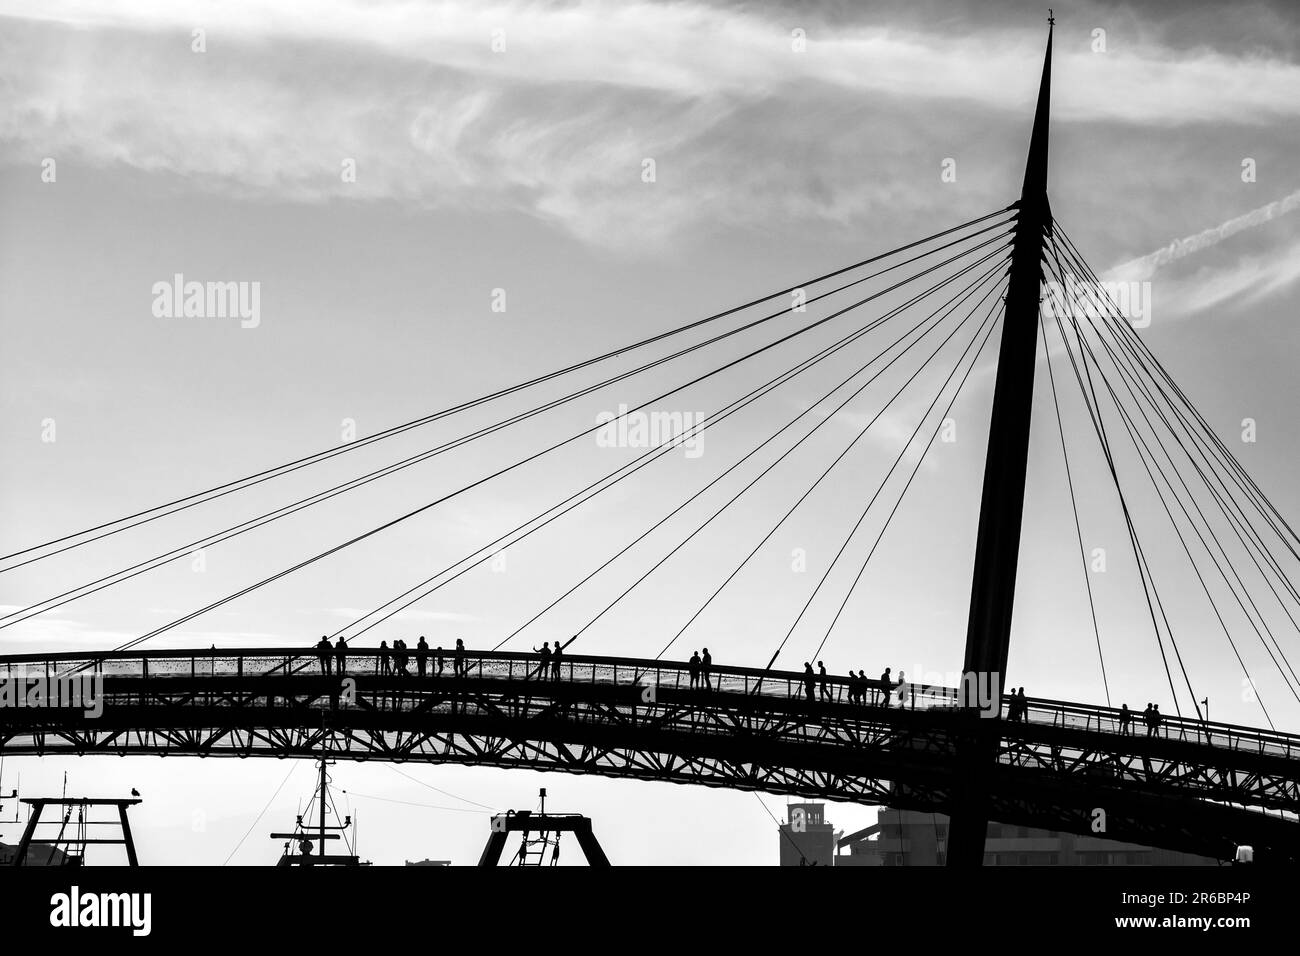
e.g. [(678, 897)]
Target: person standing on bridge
[(823, 681), (458, 668), (555, 661), (1125, 719), (439, 659), (886, 687), (1022, 705), (385, 666), (1147, 719), (545, 654), (706, 667), (1155, 719), (323, 651), (693, 666), (864, 685), (809, 682), (341, 652), (902, 689), (422, 656)]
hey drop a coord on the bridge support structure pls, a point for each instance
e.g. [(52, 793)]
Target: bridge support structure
[(997, 544)]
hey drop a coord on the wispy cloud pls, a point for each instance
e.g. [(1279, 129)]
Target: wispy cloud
[(1146, 266), (559, 122)]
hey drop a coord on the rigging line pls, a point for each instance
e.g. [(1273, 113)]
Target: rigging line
[(1143, 452), (445, 793), (1146, 574), (1192, 523), (1130, 379), (409, 803), (1254, 493), (1246, 535), (946, 309), (814, 485), (425, 507), (1074, 508), (317, 497), (991, 323), (262, 813), (862, 569), (489, 550), (1224, 452), (1252, 541), (1214, 463), (238, 484), (1178, 531), (1146, 578), (632, 467), (653, 454), (124, 574), (1206, 435)]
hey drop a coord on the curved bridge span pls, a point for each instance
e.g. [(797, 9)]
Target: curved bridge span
[(1194, 786)]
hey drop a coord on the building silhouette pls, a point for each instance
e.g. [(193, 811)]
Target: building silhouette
[(915, 838), (806, 838)]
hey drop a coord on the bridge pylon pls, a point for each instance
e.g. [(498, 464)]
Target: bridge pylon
[(997, 546)]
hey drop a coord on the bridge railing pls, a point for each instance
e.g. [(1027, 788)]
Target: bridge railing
[(645, 676), (445, 663), (1168, 727)]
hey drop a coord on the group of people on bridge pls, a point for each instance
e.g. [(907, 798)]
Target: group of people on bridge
[(395, 660), (1151, 717), (816, 685)]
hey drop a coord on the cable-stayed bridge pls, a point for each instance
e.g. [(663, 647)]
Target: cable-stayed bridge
[(929, 307)]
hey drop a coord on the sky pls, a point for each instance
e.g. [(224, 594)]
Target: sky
[(384, 170)]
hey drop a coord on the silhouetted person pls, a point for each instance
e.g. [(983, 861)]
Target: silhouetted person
[(385, 663), (706, 667), (399, 656), (824, 681), (323, 651), (809, 682), (1155, 719), (693, 665), (555, 661), (421, 655), (886, 685), (458, 659), (1022, 705), (545, 654), (440, 659), (863, 686), (1148, 720), (1125, 718), (341, 652), (853, 687)]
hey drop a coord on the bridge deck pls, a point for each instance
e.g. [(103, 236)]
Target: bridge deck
[(1189, 786), (632, 673)]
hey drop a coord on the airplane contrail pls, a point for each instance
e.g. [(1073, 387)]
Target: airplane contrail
[(1144, 267)]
